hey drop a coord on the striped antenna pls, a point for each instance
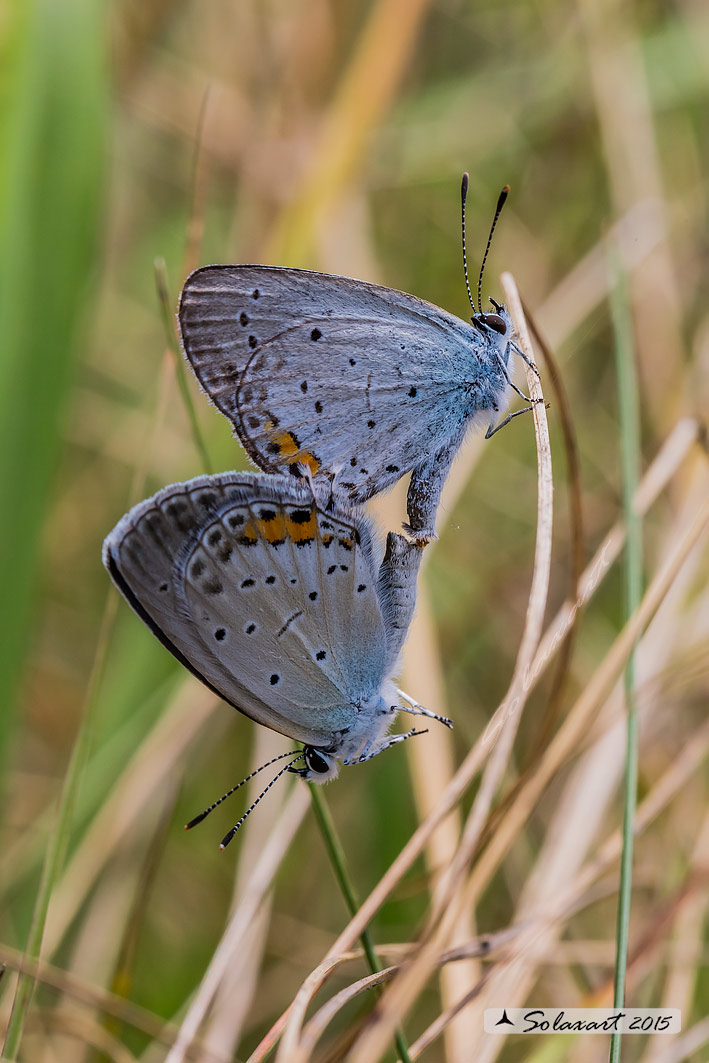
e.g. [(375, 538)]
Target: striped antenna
[(463, 196), (498, 210), (203, 815), (227, 837)]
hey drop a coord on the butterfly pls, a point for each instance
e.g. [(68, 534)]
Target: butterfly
[(287, 610), (326, 375)]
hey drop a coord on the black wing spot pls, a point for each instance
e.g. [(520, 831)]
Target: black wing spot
[(235, 520), (313, 596), (163, 587), (267, 514), (225, 553), (362, 587), (318, 406), (412, 393), (274, 448), (294, 580), (255, 293), (315, 334), (243, 318), (247, 395), (345, 544), (253, 342), (300, 516), (320, 655), (353, 361), (220, 634), (332, 568), (345, 568), (371, 424), (214, 537), (274, 679), (353, 462), (247, 583), (197, 569), (212, 586), (250, 628), (270, 579), (304, 386), (392, 468), (207, 499), (254, 421)]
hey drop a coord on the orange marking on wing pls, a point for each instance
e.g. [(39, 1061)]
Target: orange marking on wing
[(248, 535), (286, 443), (302, 528), (289, 449), (273, 530), (307, 459)]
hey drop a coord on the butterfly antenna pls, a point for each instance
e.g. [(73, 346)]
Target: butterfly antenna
[(227, 837), (203, 815), (498, 210), (463, 196)]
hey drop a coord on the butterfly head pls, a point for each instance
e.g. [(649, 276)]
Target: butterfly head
[(499, 322), (320, 766)]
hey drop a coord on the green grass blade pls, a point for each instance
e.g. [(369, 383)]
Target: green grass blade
[(52, 125), (630, 464), (339, 866)]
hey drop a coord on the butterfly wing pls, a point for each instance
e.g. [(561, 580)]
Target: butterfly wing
[(271, 602), (334, 373)]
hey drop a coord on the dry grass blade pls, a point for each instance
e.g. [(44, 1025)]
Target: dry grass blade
[(448, 900), (581, 714), (686, 945), (262, 876), (151, 766), (487, 946), (101, 1000), (665, 465), (364, 94)]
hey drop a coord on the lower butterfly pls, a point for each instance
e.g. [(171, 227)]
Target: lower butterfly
[(281, 606)]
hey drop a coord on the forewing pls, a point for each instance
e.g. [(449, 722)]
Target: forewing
[(328, 371), (367, 401), (256, 591)]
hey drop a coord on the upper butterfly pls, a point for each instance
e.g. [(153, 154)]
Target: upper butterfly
[(346, 379)]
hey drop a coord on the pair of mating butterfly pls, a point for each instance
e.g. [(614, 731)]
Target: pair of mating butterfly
[(270, 589)]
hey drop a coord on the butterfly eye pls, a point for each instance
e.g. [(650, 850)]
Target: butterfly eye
[(315, 761), (495, 322)]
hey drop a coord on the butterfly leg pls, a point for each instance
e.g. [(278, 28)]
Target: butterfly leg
[(425, 493), (368, 752), (414, 709), (496, 428), (508, 378), (396, 589), (523, 356)]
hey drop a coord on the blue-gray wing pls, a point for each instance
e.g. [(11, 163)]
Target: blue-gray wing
[(267, 599), (361, 381)]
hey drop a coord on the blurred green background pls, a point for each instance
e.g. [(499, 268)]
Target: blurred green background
[(332, 135)]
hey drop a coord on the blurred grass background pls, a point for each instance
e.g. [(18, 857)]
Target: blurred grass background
[(333, 135)]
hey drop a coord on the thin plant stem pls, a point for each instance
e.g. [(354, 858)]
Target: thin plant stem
[(339, 866), (630, 464), (166, 313)]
